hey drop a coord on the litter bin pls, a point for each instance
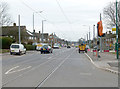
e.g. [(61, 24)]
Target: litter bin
[(94, 52)]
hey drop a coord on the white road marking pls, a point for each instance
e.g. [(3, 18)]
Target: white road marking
[(53, 71), (10, 71), (86, 74), (49, 57)]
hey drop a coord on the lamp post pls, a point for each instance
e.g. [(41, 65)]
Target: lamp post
[(117, 54), (33, 24), (42, 29), (89, 35), (19, 29)]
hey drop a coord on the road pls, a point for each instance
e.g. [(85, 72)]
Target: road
[(63, 68)]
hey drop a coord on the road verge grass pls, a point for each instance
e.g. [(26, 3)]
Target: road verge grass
[(4, 50)]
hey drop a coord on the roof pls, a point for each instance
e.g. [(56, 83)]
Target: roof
[(13, 30)]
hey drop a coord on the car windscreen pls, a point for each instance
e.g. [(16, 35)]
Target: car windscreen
[(45, 46), (15, 46)]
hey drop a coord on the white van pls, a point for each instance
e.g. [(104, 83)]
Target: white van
[(17, 49)]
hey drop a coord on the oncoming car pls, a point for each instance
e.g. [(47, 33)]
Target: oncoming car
[(17, 49), (46, 49)]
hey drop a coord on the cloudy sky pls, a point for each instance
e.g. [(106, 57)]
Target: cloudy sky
[(69, 19)]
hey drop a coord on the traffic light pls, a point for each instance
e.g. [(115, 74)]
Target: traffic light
[(100, 29)]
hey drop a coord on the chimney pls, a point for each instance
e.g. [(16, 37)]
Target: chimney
[(14, 24)]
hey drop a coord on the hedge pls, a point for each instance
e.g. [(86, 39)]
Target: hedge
[(6, 42), (30, 47)]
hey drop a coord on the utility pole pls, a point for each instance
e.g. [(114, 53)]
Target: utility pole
[(117, 54), (54, 38), (93, 35), (100, 37), (33, 25), (97, 44), (39, 36), (42, 30), (19, 29), (33, 28), (89, 36)]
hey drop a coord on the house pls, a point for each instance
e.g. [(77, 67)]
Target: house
[(12, 31)]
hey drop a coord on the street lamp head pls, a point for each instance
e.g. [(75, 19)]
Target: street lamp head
[(39, 12), (44, 20)]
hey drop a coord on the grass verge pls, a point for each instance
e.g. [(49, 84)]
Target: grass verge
[(4, 50)]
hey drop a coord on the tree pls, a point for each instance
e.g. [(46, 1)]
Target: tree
[(5, 18), (110, 15)]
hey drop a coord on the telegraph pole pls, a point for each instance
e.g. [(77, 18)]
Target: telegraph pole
[(42, 29), (54, 38), (117, 54), (33, 27), (89, 36), (100, 37), (93, 36), (19, 29)]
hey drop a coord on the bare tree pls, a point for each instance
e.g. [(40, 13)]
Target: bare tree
[(5, 18), (110, 14)]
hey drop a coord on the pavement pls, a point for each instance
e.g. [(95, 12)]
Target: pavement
[(107, 61), (62, 68)]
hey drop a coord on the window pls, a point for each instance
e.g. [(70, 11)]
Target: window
[(15, 46)]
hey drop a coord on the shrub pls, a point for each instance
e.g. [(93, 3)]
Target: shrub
[(30, 42), (30, 47), (6, 42)]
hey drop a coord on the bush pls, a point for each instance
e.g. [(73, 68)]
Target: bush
[(30, 42), (6, 42), (30, 47)]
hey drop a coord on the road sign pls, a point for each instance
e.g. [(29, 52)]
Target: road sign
[(113, 29), (83, 42)]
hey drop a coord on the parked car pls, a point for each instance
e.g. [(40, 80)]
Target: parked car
[(17, 49), (46, 49), (56, 46), (38, 47)]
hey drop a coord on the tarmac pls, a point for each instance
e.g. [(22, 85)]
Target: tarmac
[(107, 61)]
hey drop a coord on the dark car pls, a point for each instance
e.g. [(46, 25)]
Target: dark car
[(46, 49), (68, 46)]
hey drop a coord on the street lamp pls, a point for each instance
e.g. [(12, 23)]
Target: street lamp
[(19, 29), (87, 35), (33, 22), (42, 29)]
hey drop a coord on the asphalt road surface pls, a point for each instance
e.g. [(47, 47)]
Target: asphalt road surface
[(63, 68)]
